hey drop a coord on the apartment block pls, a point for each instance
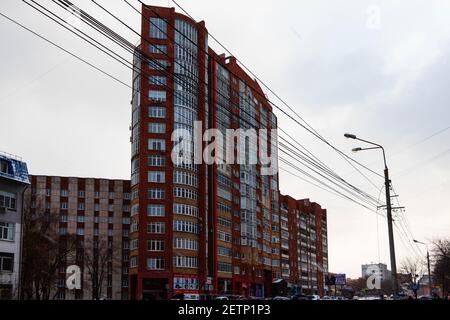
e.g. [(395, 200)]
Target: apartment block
[(89, 221), (201, 228), (304, 245), (13, 182)]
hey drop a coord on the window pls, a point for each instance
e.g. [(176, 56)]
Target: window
[(4, 166), (186, 178), (157, 81), (156, 194), (81, 194), (224, 267), (185, 210), (134, 244), (158, 28), (81, 206), (155, 264), (224, 236), (185, 226), (64, 205), (225, 252), (155, 245), (80, 219), (157, 96), (133, 262), (157, 112), (64, 193), (63, 218), (185, 244), (156, 161), (158, 128), (6, 231), (185, 193), (157, 48), (62, 231), (156, 227), (224, 222), (6, 261), (8, 200), (156, 176), (156, 210), (80, 232), (185, 262), (157, 144)]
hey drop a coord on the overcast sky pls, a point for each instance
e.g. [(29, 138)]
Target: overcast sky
[(379, 69)]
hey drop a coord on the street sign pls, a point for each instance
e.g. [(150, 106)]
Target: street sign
[(340, 280)]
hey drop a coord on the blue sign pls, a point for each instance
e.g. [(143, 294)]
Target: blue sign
[(341, 280)]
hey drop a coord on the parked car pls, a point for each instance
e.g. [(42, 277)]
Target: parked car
[(314, 297), (221, 298), (280, 298), (299, 297)]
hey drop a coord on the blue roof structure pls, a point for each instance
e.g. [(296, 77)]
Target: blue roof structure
[(13, 169)]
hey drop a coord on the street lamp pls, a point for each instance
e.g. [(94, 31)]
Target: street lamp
[(387, 182), (428, 264)]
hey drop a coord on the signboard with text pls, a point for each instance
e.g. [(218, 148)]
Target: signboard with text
[(341, 280)]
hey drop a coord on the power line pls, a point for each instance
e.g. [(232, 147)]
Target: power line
[(64, 50), (307, 127), (70, 30)]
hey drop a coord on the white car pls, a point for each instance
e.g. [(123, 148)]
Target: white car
[(314, 297)]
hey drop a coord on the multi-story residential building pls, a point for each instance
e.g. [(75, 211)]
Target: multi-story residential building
[(378, 269), (304, 245), (13, 182), (243, 200), (202, 228), (94, 216)]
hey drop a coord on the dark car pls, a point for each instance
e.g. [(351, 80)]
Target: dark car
[(300, 297)]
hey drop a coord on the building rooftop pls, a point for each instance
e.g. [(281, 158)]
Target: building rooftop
[(13, 168)]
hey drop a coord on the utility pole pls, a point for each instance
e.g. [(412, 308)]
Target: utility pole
[(387, 183), (430, 280), (390, 231)]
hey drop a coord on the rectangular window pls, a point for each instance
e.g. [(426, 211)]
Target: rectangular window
[(6, 262), (156, 210), (158, 28), (157, 112), (156, 227), (156, 127), (6, 231), (157, 81), (157, 48), (155, 245), (156, 194), (157, 144), (157, 96), (156, 176), (156, 161), (158, 64), (155, 264), (8, 201)]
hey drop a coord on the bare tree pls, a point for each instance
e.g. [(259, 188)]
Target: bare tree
[(44, 252), (413, 267), (441, 264), (99, 260)]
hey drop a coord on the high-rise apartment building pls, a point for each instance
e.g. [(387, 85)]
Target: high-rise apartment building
[(304, 245), (82, 222), (13, 181), (202, 228)]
